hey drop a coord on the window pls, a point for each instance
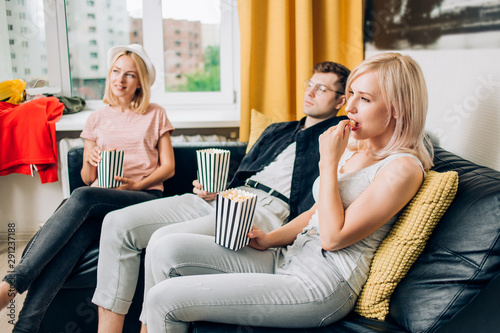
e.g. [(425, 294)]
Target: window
[(205, 77), (200, 73), (74, 58), (87, 48)]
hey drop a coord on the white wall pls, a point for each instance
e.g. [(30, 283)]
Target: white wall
[(27, 203), (464, 101)]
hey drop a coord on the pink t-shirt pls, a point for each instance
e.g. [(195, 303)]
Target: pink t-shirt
[(136, 134)]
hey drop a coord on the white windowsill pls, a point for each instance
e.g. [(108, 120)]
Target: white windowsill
[(180, 117)]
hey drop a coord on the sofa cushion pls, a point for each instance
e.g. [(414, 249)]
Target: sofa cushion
[(405, 242), (258, 123), (462, 255)]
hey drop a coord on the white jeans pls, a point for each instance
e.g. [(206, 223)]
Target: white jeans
[(262, 289), (126, 232)]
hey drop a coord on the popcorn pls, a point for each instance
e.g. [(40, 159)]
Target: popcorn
[(235, 195), (234, 212)]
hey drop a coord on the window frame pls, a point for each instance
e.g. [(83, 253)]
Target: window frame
[(225, 100)]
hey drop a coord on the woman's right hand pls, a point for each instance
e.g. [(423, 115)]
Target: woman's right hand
[(94, 156), (91, 157), (198, 190), (332, 143), (259, 239)]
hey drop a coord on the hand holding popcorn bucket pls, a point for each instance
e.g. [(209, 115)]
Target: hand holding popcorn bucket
[(234, 214), (234, 208), (111, 165)]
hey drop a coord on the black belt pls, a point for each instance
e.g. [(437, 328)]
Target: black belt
[(262, 187)]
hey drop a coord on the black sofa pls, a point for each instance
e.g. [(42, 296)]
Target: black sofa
[(453, 287)]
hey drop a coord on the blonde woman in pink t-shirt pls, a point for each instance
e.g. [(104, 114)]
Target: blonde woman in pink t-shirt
[(129, 123)]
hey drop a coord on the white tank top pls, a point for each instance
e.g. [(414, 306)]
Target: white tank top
[(353, 262)]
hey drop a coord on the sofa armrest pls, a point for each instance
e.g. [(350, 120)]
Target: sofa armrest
[(75, 162), (482, 312)]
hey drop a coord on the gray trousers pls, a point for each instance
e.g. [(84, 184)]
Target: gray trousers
[(126, 232), (263, 288)]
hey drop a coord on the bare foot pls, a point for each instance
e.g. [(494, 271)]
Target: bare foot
[(7, 293)]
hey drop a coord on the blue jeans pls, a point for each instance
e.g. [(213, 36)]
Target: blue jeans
[(56, 248)]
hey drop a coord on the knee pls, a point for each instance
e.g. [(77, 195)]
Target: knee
[(160, 246), (82, 194), (111, 222), (166, 250), (153, 297), (117, 222), (155, 301), (164, 298), (155, 237)]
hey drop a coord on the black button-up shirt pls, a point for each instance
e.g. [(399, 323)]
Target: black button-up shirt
[(272, 142)]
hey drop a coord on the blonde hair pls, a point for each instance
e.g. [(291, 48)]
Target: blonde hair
[(405, 93), (140, 101)]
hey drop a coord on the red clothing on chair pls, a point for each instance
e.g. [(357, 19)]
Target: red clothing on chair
[(28, 137)]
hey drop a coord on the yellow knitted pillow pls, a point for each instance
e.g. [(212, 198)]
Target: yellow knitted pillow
[(258, 123), (405, 242)]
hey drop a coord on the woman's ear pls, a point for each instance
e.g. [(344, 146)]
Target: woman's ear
[(394, 113), (341, 102)]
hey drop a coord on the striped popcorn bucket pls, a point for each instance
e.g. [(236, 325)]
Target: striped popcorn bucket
[(234, 218), (213, 169), (111, 165)]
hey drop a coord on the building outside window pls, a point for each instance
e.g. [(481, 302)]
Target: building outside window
[(193, 54), (25, 34)]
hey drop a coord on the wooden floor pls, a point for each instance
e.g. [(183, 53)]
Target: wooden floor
[(9, 316)]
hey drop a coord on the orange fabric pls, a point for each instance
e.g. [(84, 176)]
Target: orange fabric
[(281, 40), (28, 137)]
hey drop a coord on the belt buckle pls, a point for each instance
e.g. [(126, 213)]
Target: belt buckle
[(256, 183)]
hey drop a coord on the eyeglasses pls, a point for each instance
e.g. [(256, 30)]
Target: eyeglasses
[(319, 89)]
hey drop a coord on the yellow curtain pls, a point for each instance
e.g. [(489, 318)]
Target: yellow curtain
[(281, 40)]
